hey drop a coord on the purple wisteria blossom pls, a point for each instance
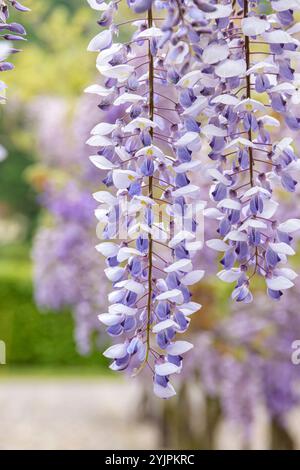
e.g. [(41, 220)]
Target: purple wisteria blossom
[(195, 79), (148, 155), (9, 32), (250, 56)]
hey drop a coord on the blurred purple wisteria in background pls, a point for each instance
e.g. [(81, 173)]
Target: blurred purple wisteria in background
[(67, 270)]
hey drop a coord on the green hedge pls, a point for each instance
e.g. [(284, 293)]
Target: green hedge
[(34, 338)]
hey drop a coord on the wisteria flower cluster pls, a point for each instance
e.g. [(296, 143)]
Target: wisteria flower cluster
[(196, 79), (253, 65), (9, 32)]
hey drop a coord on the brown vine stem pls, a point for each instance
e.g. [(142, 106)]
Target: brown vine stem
[(150, 241), (150, 194), (248, 88)]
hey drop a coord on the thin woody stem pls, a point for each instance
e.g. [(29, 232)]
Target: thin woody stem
[(150, 241), (248, 88)]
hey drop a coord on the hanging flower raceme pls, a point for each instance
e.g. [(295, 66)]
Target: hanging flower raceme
[(9, 32), (251, 54), (148, 219)]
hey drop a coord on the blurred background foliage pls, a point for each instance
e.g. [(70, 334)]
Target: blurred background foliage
[(55, 63)]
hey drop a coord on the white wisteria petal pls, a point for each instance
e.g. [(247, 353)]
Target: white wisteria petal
[(104, 57), (102, 41), (139, 123), (107, 249), (215, 52), (150, 151), (3, 153), (164, 325), (189, 308), (105, 197), (103, 128), (198, 105), (231, 68), (99, 141), (187, 139), (232, 204), (217, 244), (184, 265), (229, 100), (221, 11), (178, 348), (211, 130), (119, 309), (115, 296), (150, 33), (101, 162), (279, 283), (253, 223), (190, 190), (190, 79), (254, 190), (269, 121), (240, 141), (166, 368), (230, 275), (296, 27), (101, 214), (132, 286), (279, 37), (114, 274), (183, 51), (284, 144), (128, 98), (253, 26), (289, 226), (285, 87), (179, 237), (213, 213), (164, 392), (250, 105), (111, 320), (122, 179), (126, 252), (236, 236), (194, 246), (188, 166), (217, 175), (98, 5), (270, 207), (117, 351), (120, 72), (283, 5), (192, 278), (122, 154), (282, 248), (263, 67), (175, 295), (286, 272), (98, 90)]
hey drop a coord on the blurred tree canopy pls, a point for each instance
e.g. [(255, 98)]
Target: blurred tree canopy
[(53, 62)]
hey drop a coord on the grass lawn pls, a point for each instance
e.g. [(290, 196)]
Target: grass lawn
[(37, 343)]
